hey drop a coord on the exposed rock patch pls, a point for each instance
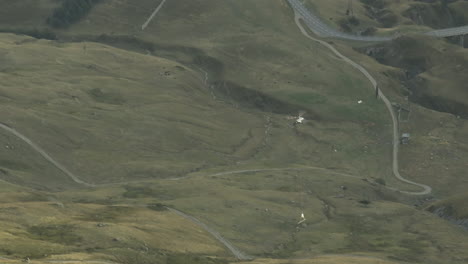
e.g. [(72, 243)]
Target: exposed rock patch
[(447, 213), (438, 14)]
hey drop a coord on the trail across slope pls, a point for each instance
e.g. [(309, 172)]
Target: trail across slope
[(285, 169), (153, 14), (395, 166), (236, 252), (45, 155)]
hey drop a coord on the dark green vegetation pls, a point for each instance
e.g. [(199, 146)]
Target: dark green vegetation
[(425, 65), (438, 14), (213, 86), (453, 209), (108, 213), (35, 33), (157, 207), (60, 233), (69, 12), (379, 11)]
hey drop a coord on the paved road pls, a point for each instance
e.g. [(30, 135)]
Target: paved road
[(448, 32), (153, 14), (45, 155), (396, 141), (323, 30)]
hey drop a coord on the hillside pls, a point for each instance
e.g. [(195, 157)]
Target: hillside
[(256, 211), (170, 142), (432, 71), (98, 106), (371, 17), (453, 209), (426, 77), (273, 83)]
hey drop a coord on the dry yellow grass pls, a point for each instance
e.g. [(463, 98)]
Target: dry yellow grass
[(332, 259), (121, 227)]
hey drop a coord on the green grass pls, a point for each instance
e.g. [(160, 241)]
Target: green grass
[(454, 207), (108, 214), (125, 132), (134, 107), (12, 17), (390, 17), (60, 234), (108, 98), (435, 82), (306, 98)]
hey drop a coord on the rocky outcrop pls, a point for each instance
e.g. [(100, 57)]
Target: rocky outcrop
[(436, 14), (447, 213)]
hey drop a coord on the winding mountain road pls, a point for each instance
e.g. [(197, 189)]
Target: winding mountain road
[(396, 143), (322, 29)]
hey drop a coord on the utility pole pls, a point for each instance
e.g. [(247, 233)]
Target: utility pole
[(349, 10)]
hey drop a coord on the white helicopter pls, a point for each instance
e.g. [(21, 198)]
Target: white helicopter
[(299, 119)]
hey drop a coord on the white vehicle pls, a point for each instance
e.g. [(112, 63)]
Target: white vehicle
[(299, 119)]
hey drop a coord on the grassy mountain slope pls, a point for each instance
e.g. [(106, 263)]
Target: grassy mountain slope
[(117, 104), (258, 212), (275, 71), (453, 209), (389, 17), (433, 71), (327, 260), (104, 106), (25, 14), (254, 52), (427, 72)]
